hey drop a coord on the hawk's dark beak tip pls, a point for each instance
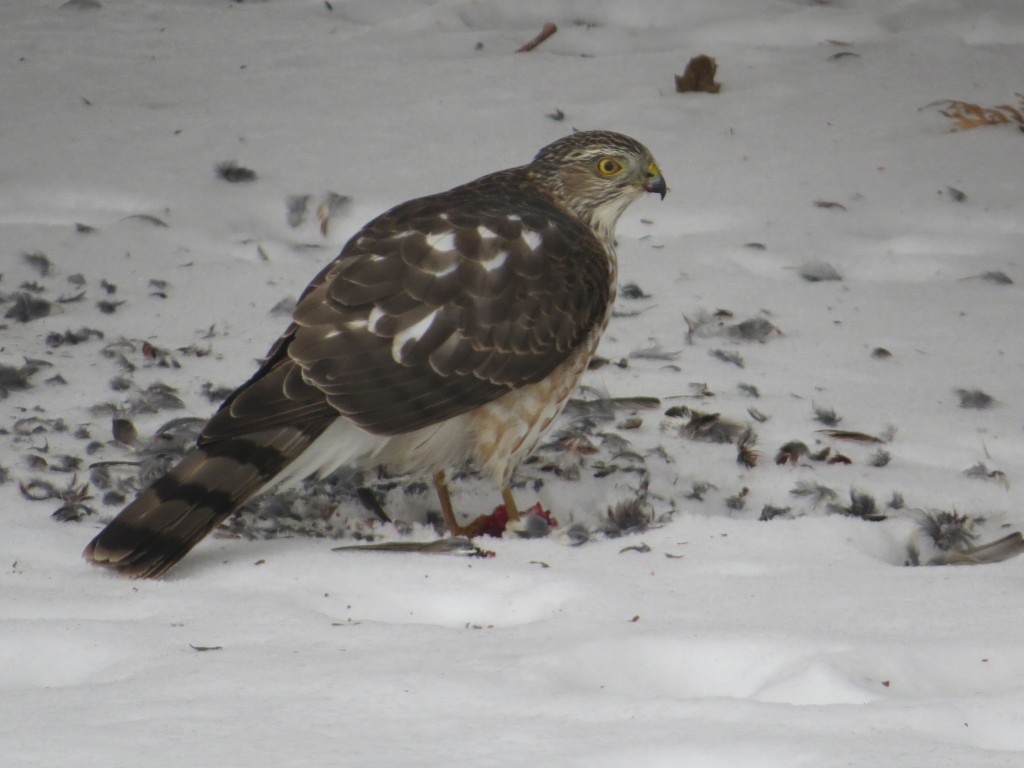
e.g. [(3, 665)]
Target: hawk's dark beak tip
[(657, 185)]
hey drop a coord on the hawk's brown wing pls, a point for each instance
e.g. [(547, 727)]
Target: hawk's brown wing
[(436, 307)]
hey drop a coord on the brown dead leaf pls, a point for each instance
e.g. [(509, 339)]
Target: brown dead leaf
[(699, 75), (966, 115)]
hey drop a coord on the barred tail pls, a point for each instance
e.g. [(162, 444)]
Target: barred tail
[(169, 518)]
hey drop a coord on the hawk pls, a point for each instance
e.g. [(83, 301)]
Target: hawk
[(451, 328)]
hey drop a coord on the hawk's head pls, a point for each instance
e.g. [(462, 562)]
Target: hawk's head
[(597, 174)]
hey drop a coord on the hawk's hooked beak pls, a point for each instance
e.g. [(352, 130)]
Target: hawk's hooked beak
[(654, 181)]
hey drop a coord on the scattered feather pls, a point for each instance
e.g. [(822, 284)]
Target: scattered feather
[(698, 490), (534, 523), (124, 431), (15, 379), (632, 515), (770, 512), (846, 434), (755, 329), (159, 287), (653, 352), (27, 308), (699, 389), (818, 272), (791, 452), (73, 497), (215, 394), (451, 545), (746, 456), (704, 325), (948, 530), (330, 206), (829, 204), (880, 458), (36, 425), (974, 398), (981, 472), (997, 551), (632, 291), (234, 173), (861, 505), (643, 548), (826, 416), (39, 261), (816, 492), (108, 307), (1000, 278), (284, 307), (297, 206), (577, 534), (546, 31), (154, 398), (711, 428), (757, 415), (733, 358), (956, 195), (146, 218), (738, 501), (749, 390)]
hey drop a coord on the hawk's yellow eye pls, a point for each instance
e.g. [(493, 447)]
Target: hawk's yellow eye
[(608, 166)]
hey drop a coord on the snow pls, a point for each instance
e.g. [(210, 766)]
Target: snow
[(710, 638)]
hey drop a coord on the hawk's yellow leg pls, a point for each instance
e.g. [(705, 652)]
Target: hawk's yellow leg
[(448, 513)]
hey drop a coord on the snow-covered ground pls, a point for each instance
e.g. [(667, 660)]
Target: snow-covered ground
[(703, 636)]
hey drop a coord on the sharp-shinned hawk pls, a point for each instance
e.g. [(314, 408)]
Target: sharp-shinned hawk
[(451, 328)]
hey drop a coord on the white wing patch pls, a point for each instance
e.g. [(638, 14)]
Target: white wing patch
[(410, 336), (495, 261), (375, 316), (443, 257), (445, 241), (532, 239), (493, 247)]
